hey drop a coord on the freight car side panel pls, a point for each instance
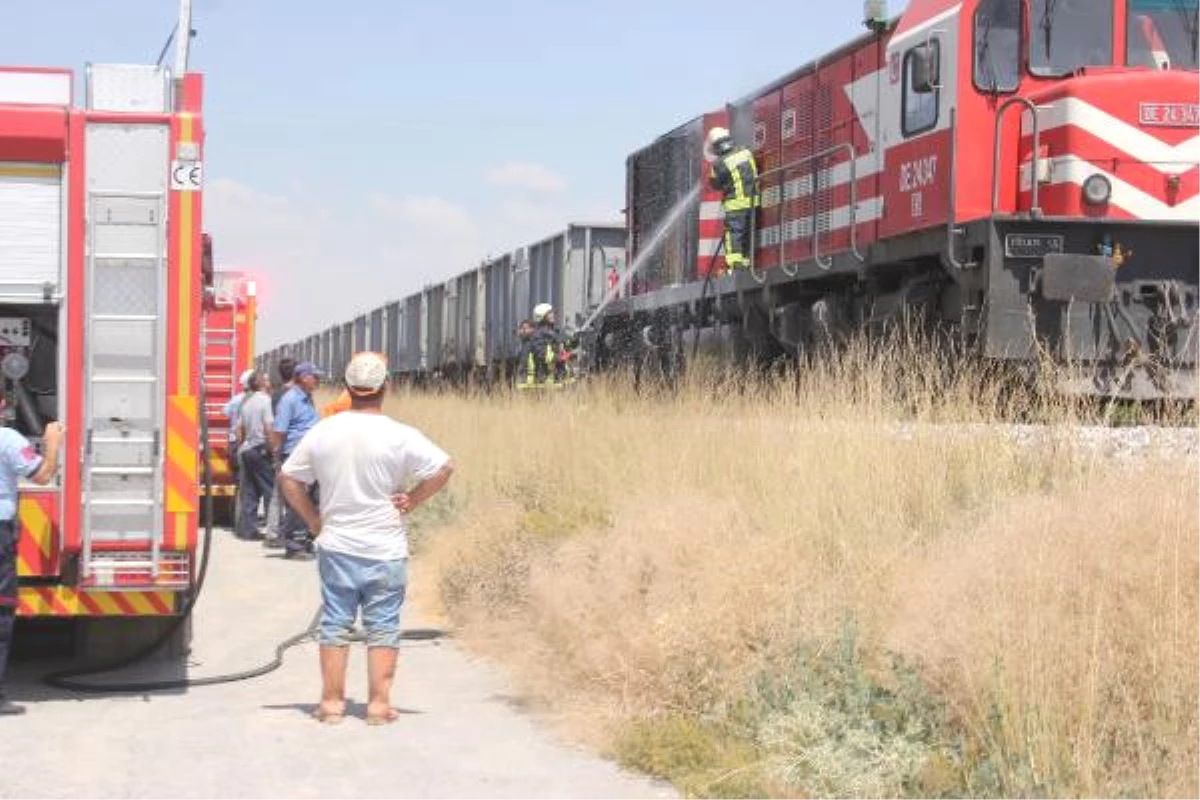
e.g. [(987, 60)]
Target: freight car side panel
[(592, 252), (545, 271), (435, 309), (451, 329), (502, 315), (412, 342), (394, 336), (522, 302), (375, 331)]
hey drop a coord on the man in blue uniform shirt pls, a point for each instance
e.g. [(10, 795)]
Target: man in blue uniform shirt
[(18, 459), (294, 417)]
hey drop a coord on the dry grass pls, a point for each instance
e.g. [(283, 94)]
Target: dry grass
[(776, 590)]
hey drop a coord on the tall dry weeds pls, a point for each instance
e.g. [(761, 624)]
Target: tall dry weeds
[(825, 583)]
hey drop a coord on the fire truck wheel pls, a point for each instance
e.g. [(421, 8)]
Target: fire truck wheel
[(224, 512)]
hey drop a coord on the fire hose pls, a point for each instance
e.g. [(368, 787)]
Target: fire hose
[(65, 679), (712, 262)]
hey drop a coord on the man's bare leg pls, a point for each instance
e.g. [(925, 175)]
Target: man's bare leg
[(381, 670), (333, 680)]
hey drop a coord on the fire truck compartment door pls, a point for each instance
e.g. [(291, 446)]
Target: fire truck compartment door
[(124, 352), (31, 230)]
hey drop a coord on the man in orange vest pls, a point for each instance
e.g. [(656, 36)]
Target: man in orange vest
[(336, 406), (342, 402)]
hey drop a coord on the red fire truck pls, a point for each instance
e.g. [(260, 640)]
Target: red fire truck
[(227, 350), (100, 288)]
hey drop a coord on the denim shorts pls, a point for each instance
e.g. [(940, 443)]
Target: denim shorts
[(350, 583)]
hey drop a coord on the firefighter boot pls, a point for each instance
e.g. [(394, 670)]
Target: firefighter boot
[(7, 622)]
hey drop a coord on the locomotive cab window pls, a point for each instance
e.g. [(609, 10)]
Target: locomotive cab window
[(998, 46), (1068, 35), (922, 86), (1161, 34)]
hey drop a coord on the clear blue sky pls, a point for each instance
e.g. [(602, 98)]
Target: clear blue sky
[(358, 150)]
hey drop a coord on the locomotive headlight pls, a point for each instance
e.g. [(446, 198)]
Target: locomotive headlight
[(1096, 190)]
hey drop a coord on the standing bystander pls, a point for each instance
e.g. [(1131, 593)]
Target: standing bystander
[(257, 472), (287, 370), (18, 460), (294, 417), (365, 463)]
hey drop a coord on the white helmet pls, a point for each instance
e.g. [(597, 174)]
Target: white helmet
[(245, 379), (716, 143), (541, 310), (716, 135)]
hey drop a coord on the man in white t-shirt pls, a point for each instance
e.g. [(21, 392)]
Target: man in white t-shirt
[(372, 471)]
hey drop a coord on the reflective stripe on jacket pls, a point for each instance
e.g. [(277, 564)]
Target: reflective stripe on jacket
[(735, 175)]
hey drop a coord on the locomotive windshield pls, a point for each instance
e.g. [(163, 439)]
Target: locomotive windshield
[(1067, 35), (1161, 34)]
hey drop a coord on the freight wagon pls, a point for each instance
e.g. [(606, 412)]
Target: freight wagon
[(464, 329)]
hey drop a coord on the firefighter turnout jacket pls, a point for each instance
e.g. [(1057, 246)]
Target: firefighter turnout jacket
[(542, 360), (735, 176)]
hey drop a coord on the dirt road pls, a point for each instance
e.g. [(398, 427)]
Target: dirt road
[(460, 736)]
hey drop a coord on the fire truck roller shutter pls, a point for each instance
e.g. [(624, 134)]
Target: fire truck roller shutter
[(31, 253), (31, 230)]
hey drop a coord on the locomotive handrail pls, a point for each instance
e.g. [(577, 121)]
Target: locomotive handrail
[(951, 227), (815, 235), (1035, 155)]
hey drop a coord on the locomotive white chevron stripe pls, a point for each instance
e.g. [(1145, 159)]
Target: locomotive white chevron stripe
[(836, 175), (869, 209), (908, 32), (1167, 158), (1072, 169)]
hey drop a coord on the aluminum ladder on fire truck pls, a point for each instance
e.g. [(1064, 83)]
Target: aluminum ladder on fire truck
[(218, 348), (125, 362)]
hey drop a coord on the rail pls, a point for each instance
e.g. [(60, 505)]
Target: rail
[(822, 262), (1035, 154)]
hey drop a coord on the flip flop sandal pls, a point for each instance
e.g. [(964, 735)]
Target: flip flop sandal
[(328, 717), (383, 719)]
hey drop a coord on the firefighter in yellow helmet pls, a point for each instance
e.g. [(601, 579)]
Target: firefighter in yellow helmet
[(735, 175)]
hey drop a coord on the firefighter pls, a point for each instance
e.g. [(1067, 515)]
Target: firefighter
[(735, 175), (18, 460), (526, 373), (545, 359)]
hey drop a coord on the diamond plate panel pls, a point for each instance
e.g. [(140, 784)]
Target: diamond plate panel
[(127, 286)]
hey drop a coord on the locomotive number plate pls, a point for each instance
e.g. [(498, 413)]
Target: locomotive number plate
[(1031, 245)]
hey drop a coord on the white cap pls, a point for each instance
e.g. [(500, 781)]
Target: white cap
[(245, 379), (366, 373)]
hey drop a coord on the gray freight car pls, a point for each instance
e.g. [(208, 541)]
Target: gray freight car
[(464, 329)]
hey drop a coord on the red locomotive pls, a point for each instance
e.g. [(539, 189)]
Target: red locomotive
[(1023, 172)]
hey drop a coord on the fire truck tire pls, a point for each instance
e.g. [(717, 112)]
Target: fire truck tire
[(102, 639), (224, 512)]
